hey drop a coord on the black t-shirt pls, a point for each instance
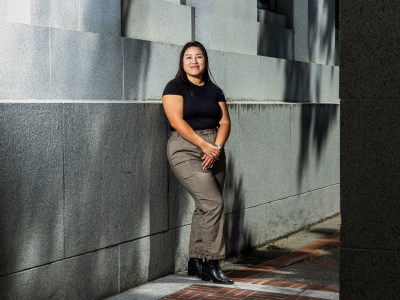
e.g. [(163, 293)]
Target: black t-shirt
[(200, 103)]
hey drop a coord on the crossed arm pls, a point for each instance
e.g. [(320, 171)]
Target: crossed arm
[(173, 107)]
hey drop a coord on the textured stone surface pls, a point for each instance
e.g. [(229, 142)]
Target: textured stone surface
[(226, 26), (314, 146), (242, 77), (272, 19), (245, 228), (370, 164), (31, 186), (152, 20), (52, 13), (274, 42), (264, 155), (291, 214), (90, 276), (100, 16), (85, 65), (321, 33), (300, 27), (24, 61), (369, 274), (147, 68), (115, 174), (376, 79), (146, 259)]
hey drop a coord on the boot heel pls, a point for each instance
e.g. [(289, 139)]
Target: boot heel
[(205, 277)]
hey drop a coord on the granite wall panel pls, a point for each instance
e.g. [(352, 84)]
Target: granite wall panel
[(115, 174), (31, 186)]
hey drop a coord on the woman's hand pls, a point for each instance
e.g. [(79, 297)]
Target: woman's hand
[(211, 154)]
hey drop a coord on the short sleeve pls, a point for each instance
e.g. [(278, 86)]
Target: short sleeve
[(220, 95), (172, 88)]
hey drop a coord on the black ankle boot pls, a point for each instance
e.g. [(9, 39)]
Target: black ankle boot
[(212, 271), (194, 267)]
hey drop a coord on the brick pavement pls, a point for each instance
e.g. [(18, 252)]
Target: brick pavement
[(249, 275)]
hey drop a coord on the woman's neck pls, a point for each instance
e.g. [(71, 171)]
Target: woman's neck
[(195, 80)]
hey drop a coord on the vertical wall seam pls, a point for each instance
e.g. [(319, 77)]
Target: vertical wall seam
[(119, 268), (63, 173), (50, 85), (123, 69), (291, 188)]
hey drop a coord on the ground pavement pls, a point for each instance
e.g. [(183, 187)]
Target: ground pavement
[(302, 266)]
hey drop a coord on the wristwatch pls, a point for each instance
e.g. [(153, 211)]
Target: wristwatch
[(218, 146)]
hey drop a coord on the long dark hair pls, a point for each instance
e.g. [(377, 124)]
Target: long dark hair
[(206, 77)]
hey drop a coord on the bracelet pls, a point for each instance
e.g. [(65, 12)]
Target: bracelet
[(218, 146)]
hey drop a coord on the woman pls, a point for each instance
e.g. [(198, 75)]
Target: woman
[(197, 112)]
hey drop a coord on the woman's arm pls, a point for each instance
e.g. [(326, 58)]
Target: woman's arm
[(223, 133), (173, 107), (224, 125)]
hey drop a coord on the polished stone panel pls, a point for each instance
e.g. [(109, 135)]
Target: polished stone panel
[(158, 21), (24, 60), (370, 147), (31, 186), (292, 214), (314, 146), (115, 174), (264, 157), (370, 64), (146, 259), (100, 16), (89, 276), (85, 65), (369, 274), (148, 67)]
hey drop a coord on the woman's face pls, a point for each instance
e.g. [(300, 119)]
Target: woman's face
[(194, 62)]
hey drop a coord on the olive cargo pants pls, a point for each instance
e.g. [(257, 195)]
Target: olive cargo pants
[(205, 186)]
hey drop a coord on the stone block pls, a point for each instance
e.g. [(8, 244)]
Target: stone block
[(115, 170), (148, 67), (244, 229), (274, 42), (292, 214), (31, 193), (180, 241), (369, 274), (328, 4), (24, 60), (90, 276), (321, 35), (243, 77), (217, 67), (221, 25), (52, 13), (301, 28), (233, 188), (237, 9), (100, 16), (232, 35), (146, 259), (263, 165), (370, 173), (85, 65), (3, 12), (151, 20), (314, 146), (271, 19), (181, 204), (377, 78)]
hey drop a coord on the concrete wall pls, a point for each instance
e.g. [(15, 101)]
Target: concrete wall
[(370, 148), (89, 206)]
